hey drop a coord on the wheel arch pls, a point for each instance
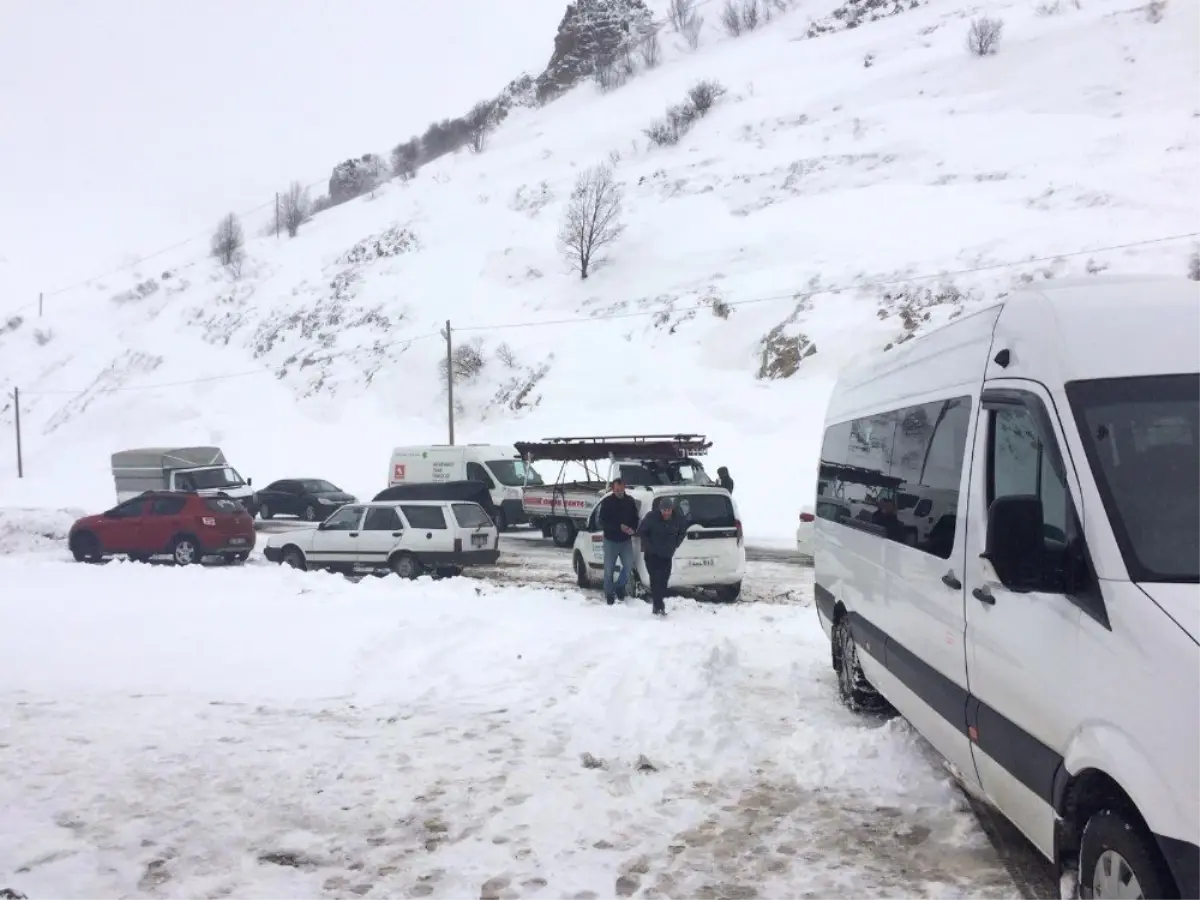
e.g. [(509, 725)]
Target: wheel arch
[(82, 534)]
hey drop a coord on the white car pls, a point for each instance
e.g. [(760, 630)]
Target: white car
[(713, 557), (804, 531), (407, 537)]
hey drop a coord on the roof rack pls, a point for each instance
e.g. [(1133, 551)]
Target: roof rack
[(639, 446)]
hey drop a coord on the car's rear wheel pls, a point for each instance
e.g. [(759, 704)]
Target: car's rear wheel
[(563, 533), (185, 551), (309, 514), (583, 578), (265, 511), (1117, 858), (405, 565), (294, 558), (85, 547), (729, 593)]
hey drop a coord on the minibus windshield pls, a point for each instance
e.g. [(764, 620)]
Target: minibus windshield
[(1142, 439)]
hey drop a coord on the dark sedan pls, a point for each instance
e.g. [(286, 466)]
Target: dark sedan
[(311, 499)]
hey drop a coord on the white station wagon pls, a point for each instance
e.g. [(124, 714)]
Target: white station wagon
[(712, 558), (407, 537)]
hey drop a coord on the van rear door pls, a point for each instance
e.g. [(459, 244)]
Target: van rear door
[(714, 538)]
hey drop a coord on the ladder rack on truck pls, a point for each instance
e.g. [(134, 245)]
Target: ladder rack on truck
[(562, 508)]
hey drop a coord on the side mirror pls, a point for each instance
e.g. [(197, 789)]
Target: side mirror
[(321, 527), (1016, 546), (249, 482)]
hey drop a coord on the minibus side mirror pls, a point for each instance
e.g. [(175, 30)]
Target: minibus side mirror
[(1015, 543)]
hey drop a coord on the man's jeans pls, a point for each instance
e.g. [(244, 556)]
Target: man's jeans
[(614, 550)]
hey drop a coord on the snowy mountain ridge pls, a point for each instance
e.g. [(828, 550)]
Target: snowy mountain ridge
[(770, 245)]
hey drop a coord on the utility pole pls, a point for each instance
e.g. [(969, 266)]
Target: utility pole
[(277, 215), (16, 394), (40, 305), (449, 383)]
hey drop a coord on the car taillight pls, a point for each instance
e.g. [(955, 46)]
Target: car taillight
[(737, 523), (806, 517), (597, 538), (209, 521)]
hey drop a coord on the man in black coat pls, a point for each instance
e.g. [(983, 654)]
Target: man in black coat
[(618, 519), (725, 479), (662, 533)]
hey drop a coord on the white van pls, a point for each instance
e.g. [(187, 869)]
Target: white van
[(712, 558), (1044, 633), (499, 467)]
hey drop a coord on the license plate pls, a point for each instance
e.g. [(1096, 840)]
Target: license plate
[(692, 563), (237, 541), (479, 540)]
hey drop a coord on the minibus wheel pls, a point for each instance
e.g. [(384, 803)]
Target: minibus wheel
[(1117, 858)]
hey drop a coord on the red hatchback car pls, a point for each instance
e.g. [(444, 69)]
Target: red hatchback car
[(157, 523)]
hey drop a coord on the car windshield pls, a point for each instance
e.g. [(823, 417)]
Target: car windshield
[(316, 486), (206, 479), (512, 472), (707, 510), (470, 515), (1142, 439)]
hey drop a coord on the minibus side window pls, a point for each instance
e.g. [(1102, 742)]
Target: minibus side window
[(888, 468)]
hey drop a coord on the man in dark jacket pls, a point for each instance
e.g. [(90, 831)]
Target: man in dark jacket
[(662, 533), (725, 479), (618, 519)]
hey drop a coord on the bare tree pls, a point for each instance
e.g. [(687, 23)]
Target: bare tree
[(750, 14), (731, 18), (691, 30), (678, 13), (592, 221), (650, 50), (228, 241), (479, 124), (294, 208), (984, 36)]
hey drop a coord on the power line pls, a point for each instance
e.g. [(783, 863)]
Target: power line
[(799, 295), (768, 298), (310, 360)]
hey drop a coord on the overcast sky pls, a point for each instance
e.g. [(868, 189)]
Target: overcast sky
[(126, 125)]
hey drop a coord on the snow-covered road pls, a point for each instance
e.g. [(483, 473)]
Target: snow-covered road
[(259, 731)]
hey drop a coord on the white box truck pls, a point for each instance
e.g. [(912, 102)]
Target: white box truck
[(499, 467), (203, 470)]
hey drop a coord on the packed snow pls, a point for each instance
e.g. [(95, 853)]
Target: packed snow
[(266, 732), (814, 177)]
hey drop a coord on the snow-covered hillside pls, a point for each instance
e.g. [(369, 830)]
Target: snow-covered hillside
[(833, 176)]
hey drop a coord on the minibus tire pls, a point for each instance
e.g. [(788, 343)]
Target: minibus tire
[(1121, 838), (855, 691)]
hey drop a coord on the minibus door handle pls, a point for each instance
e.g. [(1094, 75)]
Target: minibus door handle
[(951, 582), (983, 595)]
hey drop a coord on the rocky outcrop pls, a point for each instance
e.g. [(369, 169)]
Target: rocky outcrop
[(592, 33)]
